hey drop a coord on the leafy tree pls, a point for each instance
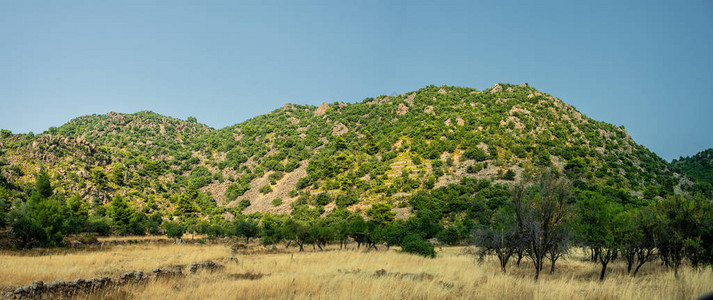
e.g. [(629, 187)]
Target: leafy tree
[(174, 230), (380, 213), (4, 133), (42, 184), (185, 206), (121, 213), (246, 229), (29, 231), (117, 174), (598, 227)]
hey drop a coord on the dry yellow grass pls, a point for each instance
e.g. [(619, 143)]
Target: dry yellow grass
[(351, 274)]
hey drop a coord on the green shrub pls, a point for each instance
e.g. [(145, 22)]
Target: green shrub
[(276, 201), (174, 230), (414, 244), (265, 189)]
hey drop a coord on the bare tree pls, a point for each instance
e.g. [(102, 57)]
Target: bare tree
[(542, 212)]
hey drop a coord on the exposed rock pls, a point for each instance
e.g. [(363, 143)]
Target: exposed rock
[(402, 109), (460, 121), (441, 91), (206, 265), (496, 88), (410, 99), (322, 109), (429, 110), (339, 129), (448, 122)]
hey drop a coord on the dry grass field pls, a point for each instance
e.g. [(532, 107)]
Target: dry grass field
[(345, 274)]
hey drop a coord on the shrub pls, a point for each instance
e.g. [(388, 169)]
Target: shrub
[(276, 201), (174, 230), (509, 175), (265, 189), (476, 154), (414, 244)]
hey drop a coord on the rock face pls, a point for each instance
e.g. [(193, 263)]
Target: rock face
[(322, 109), (402, 109)]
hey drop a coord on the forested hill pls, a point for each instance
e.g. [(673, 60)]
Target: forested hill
[(699, 167), (382, 149)]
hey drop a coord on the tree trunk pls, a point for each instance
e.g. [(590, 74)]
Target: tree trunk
[(604, 269)]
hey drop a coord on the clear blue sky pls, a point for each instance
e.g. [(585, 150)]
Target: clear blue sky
[(646, 65)]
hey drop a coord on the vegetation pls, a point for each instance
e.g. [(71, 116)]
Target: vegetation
[(511, 170)]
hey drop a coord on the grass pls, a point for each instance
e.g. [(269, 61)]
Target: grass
[(351, 274)]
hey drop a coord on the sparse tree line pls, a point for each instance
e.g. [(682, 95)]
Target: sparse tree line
[(547, 218), (539, 220)]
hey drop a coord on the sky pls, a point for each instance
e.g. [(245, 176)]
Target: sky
[(647, 65)]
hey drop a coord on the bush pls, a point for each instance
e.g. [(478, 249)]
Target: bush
[(414, 244), (174, 230), (29, 231), (276, 201), (509, 175), (99, 226), (476, 154), (265, 189)]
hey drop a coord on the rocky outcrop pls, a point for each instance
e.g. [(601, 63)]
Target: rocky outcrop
[(69, 289)]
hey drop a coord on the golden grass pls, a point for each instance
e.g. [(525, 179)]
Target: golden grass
[(351, 274)]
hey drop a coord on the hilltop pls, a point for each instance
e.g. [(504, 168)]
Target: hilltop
[(382, 149)]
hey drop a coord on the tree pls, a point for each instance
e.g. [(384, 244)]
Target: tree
[(29, 231), (541, 211), (174, 230), (121, 213), (42, 184), (380, 213), (99, 178), (117, 174), (246, 229), (185, 206), (4, 133), (598, 227), (502, 236)]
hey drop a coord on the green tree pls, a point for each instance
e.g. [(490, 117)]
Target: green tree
[(29, 231), (597, 227), (185, 206), (121, 213), (42, 184), (117, 174), (246, 229), (380, 213), (174, 230)]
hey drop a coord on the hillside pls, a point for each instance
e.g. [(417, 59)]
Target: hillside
[(698, 167), (382, 149)]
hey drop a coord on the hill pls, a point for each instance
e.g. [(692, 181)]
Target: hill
[(698, 167), (382, 149)]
